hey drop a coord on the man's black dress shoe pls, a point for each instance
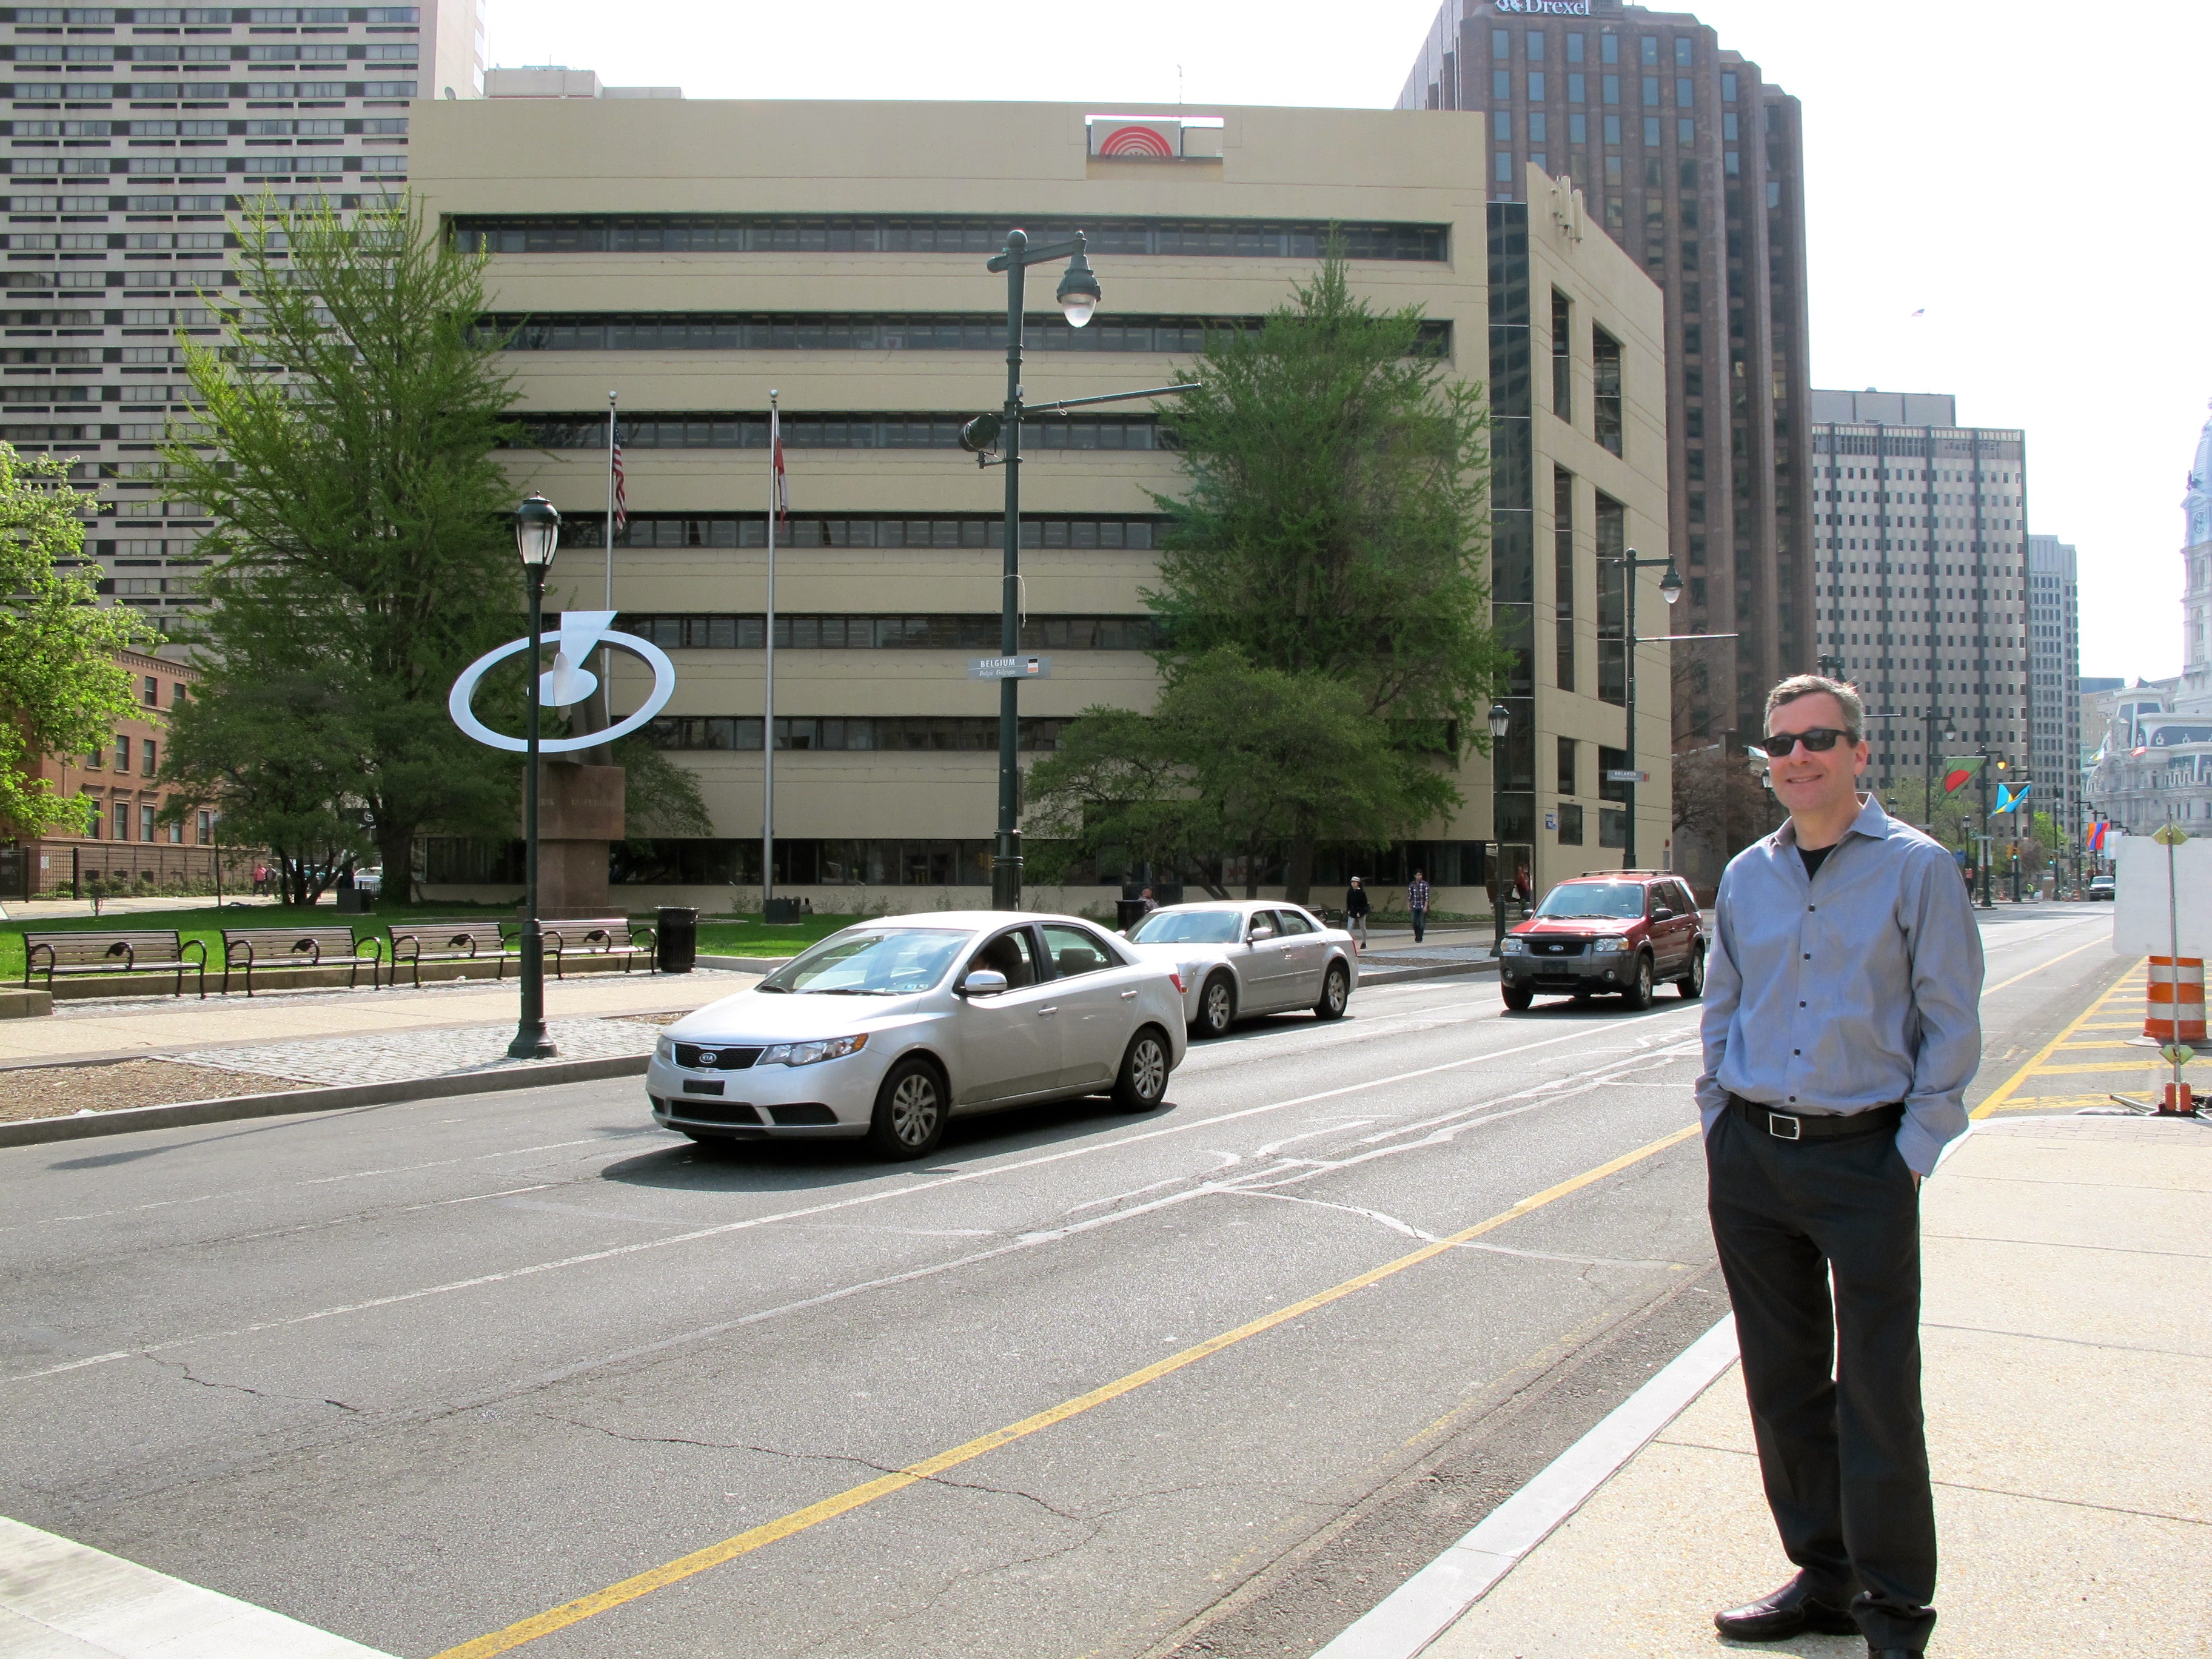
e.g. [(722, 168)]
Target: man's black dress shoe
[(1895, 1653), (1789, 1611)]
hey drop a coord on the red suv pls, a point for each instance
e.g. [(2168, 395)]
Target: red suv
[(1619, 931)]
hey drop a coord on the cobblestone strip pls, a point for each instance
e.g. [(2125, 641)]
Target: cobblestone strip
[(402, 1056)]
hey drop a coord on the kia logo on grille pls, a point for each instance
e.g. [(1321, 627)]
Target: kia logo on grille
[(707, 1056)]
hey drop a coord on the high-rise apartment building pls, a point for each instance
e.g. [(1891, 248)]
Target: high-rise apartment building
[(1920, 548), (1692, 160), (134, 133), (2054, 672)]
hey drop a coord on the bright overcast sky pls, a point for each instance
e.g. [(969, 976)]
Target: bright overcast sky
[(2019, 173)]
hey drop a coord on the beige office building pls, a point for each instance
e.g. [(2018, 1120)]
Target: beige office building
[(693, 256)]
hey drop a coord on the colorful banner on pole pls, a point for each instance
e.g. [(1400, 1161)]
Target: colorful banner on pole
[(1958, 773), (2009, 796)]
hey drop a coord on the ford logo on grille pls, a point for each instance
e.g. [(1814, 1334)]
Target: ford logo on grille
[(707, 1056)]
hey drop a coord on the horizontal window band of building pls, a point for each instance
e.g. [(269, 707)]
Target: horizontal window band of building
[(738, 233), (52, 93), (859, 530), (1917, 442), (809, 861), (855, 332), (715, 430), (689, 631), (964, 734)]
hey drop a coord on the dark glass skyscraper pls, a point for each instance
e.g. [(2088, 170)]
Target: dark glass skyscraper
[(1693, 162)]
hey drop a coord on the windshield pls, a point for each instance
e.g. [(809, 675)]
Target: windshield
[(1190, 927), (1613, 901), (897, 962)]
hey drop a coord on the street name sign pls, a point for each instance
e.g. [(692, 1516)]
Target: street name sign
[(1627, 777)]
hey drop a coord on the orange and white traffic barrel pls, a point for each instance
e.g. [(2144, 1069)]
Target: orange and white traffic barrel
[(2177, 1000)]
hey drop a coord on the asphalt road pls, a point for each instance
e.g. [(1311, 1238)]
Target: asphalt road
[(417, 1373)]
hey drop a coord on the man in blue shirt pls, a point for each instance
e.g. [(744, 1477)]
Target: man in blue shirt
[(1841, 1027)]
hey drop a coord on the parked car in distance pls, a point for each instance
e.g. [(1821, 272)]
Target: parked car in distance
[(891, 1026), (369, 881), (1240, 957), (1621, 932), (2100, 887)]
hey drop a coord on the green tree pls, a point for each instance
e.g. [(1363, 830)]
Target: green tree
[(1324, 564), (1235, 760), (361, 550), (61, 689)]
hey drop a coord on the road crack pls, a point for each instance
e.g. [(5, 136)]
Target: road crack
[(186, 1372)]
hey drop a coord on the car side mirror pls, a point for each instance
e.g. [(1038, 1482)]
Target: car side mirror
[(983, 982), (1259, 933), (1661, 913)]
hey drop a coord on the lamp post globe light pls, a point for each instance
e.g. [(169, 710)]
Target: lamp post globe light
[(537, 537), (996, 440), (1501, 722)]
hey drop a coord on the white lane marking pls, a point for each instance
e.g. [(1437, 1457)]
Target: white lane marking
[(69, 1598), (1422, 1609), (614, 1252)]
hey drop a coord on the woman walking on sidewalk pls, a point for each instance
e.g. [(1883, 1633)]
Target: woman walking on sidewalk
[(1355, 912)]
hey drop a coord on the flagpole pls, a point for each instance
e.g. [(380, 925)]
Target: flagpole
[(606, 692), (768, 719)]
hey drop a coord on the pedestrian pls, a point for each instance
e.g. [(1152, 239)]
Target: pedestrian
[(1522, 889), (260, 879), (1355, 911), (1148, 903), (1841, 1027), (1416, 901)]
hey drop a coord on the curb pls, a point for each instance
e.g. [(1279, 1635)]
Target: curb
[(1431, 970), (1430, 1602), (744, 965), (39, 1131)]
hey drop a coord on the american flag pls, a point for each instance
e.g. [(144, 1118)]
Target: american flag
[(622, 492), (779, 490)]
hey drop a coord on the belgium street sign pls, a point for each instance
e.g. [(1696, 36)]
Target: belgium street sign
[(1010, 668)]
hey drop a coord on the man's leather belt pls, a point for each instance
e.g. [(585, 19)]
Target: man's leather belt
[(1790, 1125)]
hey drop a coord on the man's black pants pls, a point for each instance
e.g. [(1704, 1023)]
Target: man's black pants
[(1834, 1383)]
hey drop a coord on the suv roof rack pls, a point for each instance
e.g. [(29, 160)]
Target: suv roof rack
[(1667, 874)]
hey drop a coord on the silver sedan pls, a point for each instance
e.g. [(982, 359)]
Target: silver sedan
[(888, 1028), (1240, 957)]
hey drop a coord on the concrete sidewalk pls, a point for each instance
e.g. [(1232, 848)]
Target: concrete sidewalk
[(173, 1025), (2069, 1387)]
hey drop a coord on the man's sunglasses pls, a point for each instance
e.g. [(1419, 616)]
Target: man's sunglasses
[(1818, 740)]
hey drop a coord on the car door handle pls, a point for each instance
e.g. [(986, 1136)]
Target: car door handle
[(1047, 1013), (1129, 996)]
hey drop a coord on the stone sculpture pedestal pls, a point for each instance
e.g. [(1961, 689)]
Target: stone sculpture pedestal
[(580, 810)]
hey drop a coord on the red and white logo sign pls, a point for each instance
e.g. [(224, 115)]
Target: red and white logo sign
[(1121, 139)]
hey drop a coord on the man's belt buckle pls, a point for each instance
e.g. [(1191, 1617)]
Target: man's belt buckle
[(1783, 1126)]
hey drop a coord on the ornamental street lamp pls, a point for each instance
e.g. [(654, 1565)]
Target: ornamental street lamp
[(1501, 722), (1670, 589), (996, 440), (537, 535)]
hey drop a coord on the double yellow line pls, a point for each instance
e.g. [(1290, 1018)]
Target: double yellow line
[(844, 1503)]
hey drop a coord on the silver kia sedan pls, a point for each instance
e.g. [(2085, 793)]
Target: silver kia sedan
[(888, 1028), (1240, 957)]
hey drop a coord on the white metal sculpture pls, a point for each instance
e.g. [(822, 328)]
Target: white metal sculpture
[(567, 681)]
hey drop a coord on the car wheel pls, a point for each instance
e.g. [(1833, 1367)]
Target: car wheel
[(1335, 993), (1520, 999), (1638, 992), (1217, 1006), (910, 1117), (1692, 984), (1142, 1083)]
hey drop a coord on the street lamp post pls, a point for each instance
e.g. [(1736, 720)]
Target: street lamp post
[(1501, 721), (1670, 589), (537, 534), (1078, 296)]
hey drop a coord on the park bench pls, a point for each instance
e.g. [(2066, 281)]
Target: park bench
[(262, 950), (597, 936), (466, 938), (73, 953)]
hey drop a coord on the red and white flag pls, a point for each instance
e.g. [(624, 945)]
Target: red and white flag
[(621, 491), (779, 490)]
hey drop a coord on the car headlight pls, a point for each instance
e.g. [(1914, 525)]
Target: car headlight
[(1612, 943), (1516, 947), (664, 1049), (811, 1053)]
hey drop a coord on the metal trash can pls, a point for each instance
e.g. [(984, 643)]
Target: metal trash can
[(1127, 913), (676, 939), (779, 912)]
